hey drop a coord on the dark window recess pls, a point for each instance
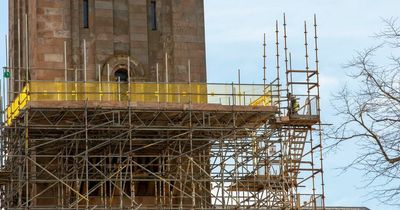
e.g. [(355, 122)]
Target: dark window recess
[(147, 188), (121, 75), (85, 7), (153, 15)]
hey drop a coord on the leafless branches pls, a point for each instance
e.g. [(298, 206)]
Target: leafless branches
[(370, 113), (391, 32)]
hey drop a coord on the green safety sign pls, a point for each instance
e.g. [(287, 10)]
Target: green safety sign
[(7, 74)]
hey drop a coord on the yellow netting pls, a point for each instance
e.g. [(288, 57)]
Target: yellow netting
[(18, 104), (264, 100), (61, 91), (200, 93)]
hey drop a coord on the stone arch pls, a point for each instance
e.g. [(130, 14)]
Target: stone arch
[(119, 63)]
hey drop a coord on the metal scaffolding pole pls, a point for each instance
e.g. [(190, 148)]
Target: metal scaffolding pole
[(165, 146)]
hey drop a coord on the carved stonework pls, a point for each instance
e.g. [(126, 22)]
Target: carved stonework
[(117, 62)]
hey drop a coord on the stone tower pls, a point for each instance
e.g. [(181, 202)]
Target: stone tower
[(76, 41), (150, 32), (90, 124)]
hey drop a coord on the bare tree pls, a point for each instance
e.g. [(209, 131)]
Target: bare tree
[(369, 112)]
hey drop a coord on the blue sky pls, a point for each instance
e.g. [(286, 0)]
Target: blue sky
[(234, 36), (234, 30)]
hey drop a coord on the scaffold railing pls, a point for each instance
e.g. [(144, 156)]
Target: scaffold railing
[(197, 93), (165, 145)]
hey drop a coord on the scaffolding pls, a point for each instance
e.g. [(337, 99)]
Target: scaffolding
[(112, 145)]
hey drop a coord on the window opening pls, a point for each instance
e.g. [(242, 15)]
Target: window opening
[(121, 75), (153, 15), (86, 13)]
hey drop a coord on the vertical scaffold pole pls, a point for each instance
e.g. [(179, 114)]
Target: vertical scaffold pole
[(27, 184), (190, 82), (290, 73), (65, 62), (76, 84), (84, 61), (319, 111), (99, 73), (3, 105), (84, 68), (308, 105), (265, 61), (119, 88), (100, 84), (86, 156), (239, 88), (166, 68), (166, 77), (278, 80), (26, 50), (19, 56), (158, 82), (129, 80), (65, 71), (109, 96), (131, 156), (189, 72), (286, 57), (108, 73), (7, 80)]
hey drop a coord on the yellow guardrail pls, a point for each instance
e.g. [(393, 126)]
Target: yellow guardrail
[(264, 100), (17, 105), (135, 92), (199, 93)]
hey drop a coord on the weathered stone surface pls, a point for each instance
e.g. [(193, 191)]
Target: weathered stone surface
[(53, 57), (116, 28)]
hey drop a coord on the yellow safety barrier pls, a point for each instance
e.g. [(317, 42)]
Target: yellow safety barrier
[(264, 100), (18, 104), (197, 93), (135, 92)]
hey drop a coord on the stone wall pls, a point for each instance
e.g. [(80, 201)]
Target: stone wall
[(118, 29)]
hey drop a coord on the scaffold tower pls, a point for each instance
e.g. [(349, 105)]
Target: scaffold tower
[(107, 144)]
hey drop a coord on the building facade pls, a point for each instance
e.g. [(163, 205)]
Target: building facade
[(143, 41), (48, 37), (90, 126)]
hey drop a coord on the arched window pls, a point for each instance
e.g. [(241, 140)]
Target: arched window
[(121, 75)]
